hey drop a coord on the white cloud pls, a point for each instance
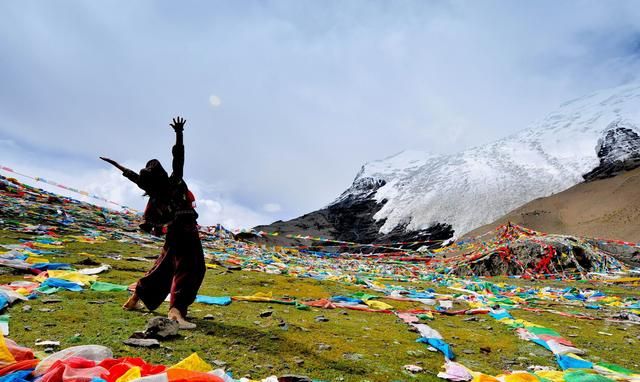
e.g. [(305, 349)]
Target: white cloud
[(228, 213), (272, 207)]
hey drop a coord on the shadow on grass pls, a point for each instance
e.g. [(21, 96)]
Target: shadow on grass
[(263, 342)]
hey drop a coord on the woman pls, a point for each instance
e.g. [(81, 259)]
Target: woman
[(180, 269)]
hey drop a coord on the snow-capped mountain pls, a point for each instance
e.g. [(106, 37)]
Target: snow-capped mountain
[(594, 134), (416, 196)]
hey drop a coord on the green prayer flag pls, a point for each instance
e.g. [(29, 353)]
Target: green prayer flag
[(100, 286)]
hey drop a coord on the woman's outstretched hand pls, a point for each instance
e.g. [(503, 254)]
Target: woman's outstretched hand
[(112, 162), (178, 124)]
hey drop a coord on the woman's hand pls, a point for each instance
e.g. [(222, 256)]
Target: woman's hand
[(178, 124), (112, 162)]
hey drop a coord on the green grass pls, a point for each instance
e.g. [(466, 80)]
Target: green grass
[(260, 347)]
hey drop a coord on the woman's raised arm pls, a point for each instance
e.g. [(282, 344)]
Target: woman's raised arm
[(178, 149)]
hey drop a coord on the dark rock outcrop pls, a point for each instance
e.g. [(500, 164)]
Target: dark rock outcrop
[(350, 218), (618, 150), (629, 255), (549, 253)]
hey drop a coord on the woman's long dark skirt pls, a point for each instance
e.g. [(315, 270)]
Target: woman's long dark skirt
[(178, 271)]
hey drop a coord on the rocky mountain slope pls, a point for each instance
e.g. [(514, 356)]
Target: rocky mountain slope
[(420, 195)]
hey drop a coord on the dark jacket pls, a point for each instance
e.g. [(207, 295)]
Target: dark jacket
[(170, 204)]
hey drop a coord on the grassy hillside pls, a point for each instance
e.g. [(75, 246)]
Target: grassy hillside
[(363, 345), (367, 341)]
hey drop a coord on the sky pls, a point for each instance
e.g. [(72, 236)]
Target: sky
[(286, 100)]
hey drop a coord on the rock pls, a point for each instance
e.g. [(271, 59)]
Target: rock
[(283, 325), (27, 328), (219, 363), (266, 313), (299, 361), (522, 359), (294, 378), (352, 356), (45, 310), (468, 351), (208, 317), (413, 368), (472, 318), (618, 150), (488, 327), (415, 353), (161, 328), (323, 347), (321, 319), (628, 254), (142, 342), (485, 350), (26, 308)]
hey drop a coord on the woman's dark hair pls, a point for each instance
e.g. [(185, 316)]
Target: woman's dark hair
[(154, 179)]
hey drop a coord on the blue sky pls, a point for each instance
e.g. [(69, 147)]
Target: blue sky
[(303, 92)]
